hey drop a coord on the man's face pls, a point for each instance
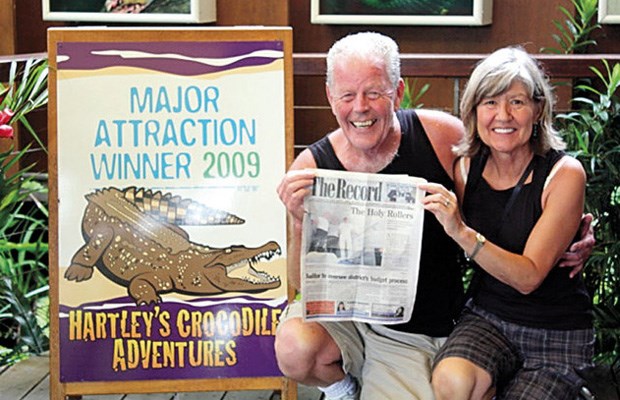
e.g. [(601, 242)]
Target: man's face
[(363, 101)]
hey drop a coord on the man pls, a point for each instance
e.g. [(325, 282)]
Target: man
[(364, 90)]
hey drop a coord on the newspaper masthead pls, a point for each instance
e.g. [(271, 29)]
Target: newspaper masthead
[(341, 189)]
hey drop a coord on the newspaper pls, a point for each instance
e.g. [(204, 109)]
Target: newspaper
[(361, 241)]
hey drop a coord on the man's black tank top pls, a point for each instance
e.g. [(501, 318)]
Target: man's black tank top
[(439, 295)]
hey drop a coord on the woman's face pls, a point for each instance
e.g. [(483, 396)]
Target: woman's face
[(505, 121)]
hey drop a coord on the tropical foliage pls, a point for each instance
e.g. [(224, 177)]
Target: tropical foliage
[(574, 35), (593, 135), (592, 132), (23, 221), (412, 96)]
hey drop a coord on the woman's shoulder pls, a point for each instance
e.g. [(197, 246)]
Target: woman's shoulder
[(565, 168), (559, 160)]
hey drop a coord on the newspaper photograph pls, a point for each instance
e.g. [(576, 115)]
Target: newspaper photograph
[(360, 248)]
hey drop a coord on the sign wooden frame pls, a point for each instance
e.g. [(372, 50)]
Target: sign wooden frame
[(60, 388)]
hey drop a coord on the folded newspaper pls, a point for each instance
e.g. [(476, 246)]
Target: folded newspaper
[(360, 253)]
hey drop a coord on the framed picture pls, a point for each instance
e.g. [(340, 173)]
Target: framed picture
[(609, 11), (161, 11), (402, 12)]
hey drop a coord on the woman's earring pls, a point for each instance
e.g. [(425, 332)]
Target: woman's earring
[(535, 129)]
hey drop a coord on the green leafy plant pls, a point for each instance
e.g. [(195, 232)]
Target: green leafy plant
[(575, 33), (592, 133), (24, 286), (412, 95), (25, 91)]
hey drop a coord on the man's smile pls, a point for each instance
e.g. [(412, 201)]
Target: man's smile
[(363, 124)]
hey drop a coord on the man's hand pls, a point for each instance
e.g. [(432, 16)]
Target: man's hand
[(293, 188), (580, 251)]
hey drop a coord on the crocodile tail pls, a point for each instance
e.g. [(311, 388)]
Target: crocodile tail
[(177, 210)]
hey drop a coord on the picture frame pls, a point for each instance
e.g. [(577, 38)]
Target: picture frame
[(184, 11), (363, 12), (609, 11)]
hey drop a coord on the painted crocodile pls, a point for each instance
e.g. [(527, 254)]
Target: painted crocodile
[(133, 237)]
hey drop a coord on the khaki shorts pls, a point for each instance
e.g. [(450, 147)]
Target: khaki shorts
[(389, 364)]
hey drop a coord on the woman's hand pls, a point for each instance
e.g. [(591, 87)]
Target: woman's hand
[(444, 205)]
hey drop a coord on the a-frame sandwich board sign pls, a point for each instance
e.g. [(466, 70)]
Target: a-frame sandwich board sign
[(167, 239)]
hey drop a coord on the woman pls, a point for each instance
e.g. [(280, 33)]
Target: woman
[(527, 325)]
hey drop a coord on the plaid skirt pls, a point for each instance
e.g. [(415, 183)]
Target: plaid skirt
[(524, 362)]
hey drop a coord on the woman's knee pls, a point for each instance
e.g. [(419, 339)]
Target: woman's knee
[(452, 385), (459, 379)]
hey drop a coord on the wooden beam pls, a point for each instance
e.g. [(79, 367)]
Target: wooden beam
[(461, 65)]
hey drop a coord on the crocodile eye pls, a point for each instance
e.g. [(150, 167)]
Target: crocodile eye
[(228, 251)]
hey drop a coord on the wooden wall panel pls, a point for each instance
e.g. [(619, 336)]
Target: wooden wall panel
[(7, 27), (608, 39), (252, 12), (31, 30), (512, 23), (310, 91), (311, 124)]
